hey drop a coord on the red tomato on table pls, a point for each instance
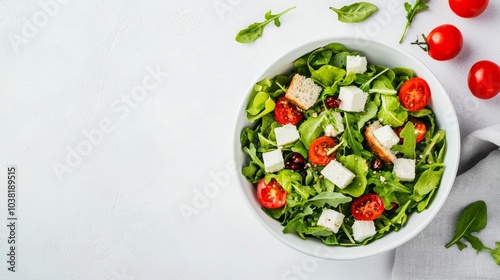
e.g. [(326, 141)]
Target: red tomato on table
[(468, 8), (484, 79)]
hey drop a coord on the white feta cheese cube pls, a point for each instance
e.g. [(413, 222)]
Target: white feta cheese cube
[(386, 136), (334, 129), (352, 99), (286, 134), (273, 161), (356, 64), (338, 174), (363, 229), (331, 219), (405, 169)]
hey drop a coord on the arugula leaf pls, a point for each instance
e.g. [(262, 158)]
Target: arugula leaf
[(383, 85), (409, 143), (327, 75), (312, 128), (351, 135), (356, 12), (427, 182), (411, 11), (286, 178), (391, 112), (370, 112), (358, 166), (472, 220), (333, 199), (366, 85), (254, 31)]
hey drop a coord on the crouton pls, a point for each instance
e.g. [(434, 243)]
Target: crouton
[(376, 147), (303, 92)]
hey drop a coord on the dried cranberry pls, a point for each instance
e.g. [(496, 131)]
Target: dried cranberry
[(332, 102), (295, 162)]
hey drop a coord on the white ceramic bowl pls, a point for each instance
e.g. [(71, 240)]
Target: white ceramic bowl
[(377, 52)]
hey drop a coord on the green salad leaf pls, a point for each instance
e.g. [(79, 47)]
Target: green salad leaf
[(391, 111), (254, 31), (356, 12), (411, 11)]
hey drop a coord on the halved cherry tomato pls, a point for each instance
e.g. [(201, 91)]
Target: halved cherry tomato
[(367, 207), (415, 94), (468, 8), (286, 113), (420, 129), (318, 151), (484, 79), (271, 195)]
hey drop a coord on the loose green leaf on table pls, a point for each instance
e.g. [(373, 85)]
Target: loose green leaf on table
[(356, 12), (411, 11), (472, 220), (254, 30)]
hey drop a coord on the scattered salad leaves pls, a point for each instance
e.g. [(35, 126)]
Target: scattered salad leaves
[(411, 11), (254, 30), (472, 220), (356, 12)]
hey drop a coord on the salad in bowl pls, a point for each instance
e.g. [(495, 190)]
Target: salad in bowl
[(343, 150)]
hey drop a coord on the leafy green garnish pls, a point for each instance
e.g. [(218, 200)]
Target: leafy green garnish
[(254, 30), (356, 12), (411, 11), (409, 143), (472, 220), (391, 112), (312, 128)]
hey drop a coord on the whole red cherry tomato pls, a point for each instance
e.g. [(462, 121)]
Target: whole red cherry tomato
[(468, 8), (443, 42), (484, 79)]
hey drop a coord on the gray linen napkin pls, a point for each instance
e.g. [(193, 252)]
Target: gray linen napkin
[(425, 256)]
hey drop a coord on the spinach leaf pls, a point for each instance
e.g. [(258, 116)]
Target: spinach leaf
[(383, 85), (356, 12), (312, 128), (260, 102), (409, 143), (370, 112), (254, 31), (286, 178), (411, 11), (327, 75), (358, 166), (427, 181), (391, 112), (472, 220)]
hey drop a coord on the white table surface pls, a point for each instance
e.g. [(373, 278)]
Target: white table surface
[(113, 208)]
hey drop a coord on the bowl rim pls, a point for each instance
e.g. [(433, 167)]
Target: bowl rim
[(436, 205)]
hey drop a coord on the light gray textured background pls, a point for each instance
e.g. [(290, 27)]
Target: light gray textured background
[(114, 211)]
